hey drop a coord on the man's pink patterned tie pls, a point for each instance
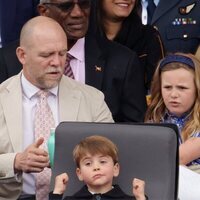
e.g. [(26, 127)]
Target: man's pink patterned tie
[(68, 70), (44, 121)]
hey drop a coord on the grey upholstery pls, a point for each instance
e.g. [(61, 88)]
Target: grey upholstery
[(146, 151)]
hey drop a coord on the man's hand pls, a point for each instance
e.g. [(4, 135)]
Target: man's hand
[(60, 183), (32, 159)]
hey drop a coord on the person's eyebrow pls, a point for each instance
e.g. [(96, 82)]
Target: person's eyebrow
[(86, 158)]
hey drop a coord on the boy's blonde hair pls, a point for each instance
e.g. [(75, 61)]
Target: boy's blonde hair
[(157, 107), (95, 145)]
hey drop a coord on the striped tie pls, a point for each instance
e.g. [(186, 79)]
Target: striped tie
[(68, 70)]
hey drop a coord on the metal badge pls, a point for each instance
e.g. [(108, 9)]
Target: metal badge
[(186, 10)]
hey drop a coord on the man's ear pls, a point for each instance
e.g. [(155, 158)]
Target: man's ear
[(21, 55), (116, 170), (78, 173), (43, 10)]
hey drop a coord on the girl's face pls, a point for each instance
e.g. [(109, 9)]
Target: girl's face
[(117, 9), (178, 90)]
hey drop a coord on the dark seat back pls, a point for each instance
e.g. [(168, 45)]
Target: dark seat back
[(146, 151)]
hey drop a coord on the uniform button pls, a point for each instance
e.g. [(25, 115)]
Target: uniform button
[(156, 27), (185, 36), (98, 197)]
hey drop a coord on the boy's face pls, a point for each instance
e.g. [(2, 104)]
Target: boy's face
[(97, 172)]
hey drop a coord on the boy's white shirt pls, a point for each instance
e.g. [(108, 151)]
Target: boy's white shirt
[(95, 192)]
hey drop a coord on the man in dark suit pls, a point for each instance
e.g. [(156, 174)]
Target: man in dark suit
[(109, 67), (13, 15), (178, 22), (9, 64)]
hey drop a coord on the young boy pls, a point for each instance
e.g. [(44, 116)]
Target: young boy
[(97, 163)]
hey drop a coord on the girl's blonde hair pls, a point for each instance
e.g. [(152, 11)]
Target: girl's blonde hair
[(157, 107)]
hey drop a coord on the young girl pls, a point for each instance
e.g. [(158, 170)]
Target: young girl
[(175, 98)]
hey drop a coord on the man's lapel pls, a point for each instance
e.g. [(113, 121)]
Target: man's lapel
[(69, 101), (94, 63), (162, 8), (12, 107)]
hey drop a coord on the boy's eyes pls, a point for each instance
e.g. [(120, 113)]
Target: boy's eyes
[(103, 161), (88, 163)]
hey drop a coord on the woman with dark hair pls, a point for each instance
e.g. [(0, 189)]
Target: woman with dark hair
[(118, 20)]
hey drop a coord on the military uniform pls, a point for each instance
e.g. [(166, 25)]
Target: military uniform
[(178, 22)]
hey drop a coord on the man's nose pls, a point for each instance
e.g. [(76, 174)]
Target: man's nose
[(76, 11), (56, 60)]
